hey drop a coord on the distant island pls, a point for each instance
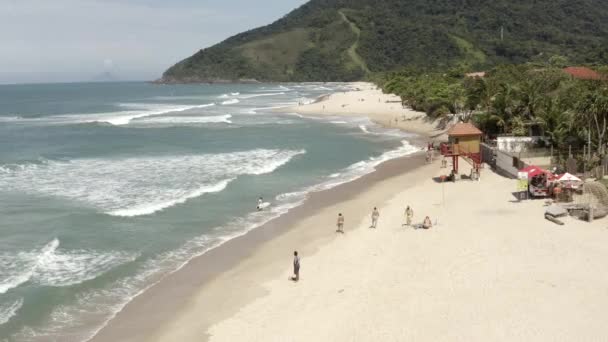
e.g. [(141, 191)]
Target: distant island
[(339, 40)]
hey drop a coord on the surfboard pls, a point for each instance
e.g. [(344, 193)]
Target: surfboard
[(263, 205)]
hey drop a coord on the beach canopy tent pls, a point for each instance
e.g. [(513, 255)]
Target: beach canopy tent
[(539, 179), (534, 171), (566, 177)]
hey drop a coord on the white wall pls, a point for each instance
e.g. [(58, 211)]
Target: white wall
[(516, 144)]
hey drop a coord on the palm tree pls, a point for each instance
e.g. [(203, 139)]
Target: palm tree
[(592, 110)]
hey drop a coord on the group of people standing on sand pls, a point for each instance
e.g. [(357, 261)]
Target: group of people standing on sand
[(409, 216)]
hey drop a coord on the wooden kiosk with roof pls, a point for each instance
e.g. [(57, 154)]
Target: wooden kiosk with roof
[(465, 142)]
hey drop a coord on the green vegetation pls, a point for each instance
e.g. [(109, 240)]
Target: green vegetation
[(352, 51), (344, 40), (513, 99)]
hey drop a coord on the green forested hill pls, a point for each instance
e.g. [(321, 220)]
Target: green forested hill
[(343, 40)]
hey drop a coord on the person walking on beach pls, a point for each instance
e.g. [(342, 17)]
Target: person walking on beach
[(375, 216), (260, 202), (340, 224), (409, 215), (296, 267)]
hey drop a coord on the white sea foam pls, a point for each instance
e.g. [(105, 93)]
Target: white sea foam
[(146, 209), (49, 266), (128, 186), (223, 96), (307, 101), (229, 102), (364, 129), (186, 119), (350, 173), (181, 97), (9, 310), (10, 118), (256, 110), (235, 94), (149, 110), (119, 118), (261, 95)]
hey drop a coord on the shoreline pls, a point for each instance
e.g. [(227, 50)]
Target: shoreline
[(133, 322), (486, 270), (366, 100), (120, 326)]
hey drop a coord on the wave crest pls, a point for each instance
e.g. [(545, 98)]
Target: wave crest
[(48, 266), (176, 120), (229, 102), (10, 310), (140, 185), (133, 112)]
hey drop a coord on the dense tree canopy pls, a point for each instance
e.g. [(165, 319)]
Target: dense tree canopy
[(319, 42), (513, 99)]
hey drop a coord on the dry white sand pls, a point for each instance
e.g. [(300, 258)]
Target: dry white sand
[(368, 100), (491, 269)]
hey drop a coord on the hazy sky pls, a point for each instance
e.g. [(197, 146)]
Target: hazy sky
[(77, 40)]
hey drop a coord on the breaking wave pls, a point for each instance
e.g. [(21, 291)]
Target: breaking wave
[(49, 266), (229, 102), (9, 310), (139, 185), (186, 119), (120, 118)]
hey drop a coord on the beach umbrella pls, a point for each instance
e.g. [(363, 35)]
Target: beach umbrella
[(567, 177)]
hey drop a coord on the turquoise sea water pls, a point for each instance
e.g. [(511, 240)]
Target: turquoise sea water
[(105, 188)]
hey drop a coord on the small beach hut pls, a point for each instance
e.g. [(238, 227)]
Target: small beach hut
[(464, 141)]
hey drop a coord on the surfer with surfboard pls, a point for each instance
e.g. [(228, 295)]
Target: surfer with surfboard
[(262, 204)]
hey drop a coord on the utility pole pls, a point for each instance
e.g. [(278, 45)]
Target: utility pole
[(589, 139)]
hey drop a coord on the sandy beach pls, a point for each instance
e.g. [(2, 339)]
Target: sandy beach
[(369, 101), (490, 269)]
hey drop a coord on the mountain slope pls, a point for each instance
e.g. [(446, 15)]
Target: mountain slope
[(343, 40)]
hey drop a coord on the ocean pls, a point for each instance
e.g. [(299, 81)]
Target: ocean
[(105, 188)]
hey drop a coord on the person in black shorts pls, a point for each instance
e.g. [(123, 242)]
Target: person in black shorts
[(296, 267)]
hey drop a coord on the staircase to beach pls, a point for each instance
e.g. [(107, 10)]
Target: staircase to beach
[(455, 150)]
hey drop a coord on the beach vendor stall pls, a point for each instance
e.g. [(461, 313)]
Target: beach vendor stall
[(538, 180), (569, 181), (565, 185)]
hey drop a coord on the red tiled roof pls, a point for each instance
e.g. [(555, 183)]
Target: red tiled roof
[(583, 73), (464, 129)]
